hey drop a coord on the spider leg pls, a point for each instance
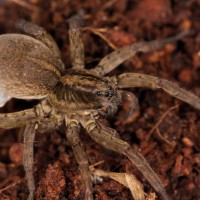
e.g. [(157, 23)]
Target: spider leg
[(40, 34), (76, 43), (72, 134), (29, 135), (127, 80), (102, 135), (115, 58), (17, 119)]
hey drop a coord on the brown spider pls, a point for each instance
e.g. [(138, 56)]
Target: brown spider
[(31, 68)]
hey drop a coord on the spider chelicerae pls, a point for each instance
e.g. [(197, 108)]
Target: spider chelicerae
[(31, 68)]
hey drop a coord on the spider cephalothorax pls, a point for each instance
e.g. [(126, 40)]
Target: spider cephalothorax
[(31, 67), (83, 90)]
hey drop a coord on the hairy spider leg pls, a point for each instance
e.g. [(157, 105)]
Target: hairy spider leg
[(76, 42), (17, 119), (115, 58), (33, 119), (72, 134), (128, 80), (42, 35), (105, 137), (29, 136)]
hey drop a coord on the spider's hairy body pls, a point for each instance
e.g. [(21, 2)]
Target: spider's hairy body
[(35, 71), (31, 67), (80, 90)]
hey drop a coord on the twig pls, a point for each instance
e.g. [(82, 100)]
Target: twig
[(99, 33), (160, 121), (109, 4), (25, 5), (163, 138), (9, 186)]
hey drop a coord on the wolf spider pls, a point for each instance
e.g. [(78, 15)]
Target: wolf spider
[(31, 68)]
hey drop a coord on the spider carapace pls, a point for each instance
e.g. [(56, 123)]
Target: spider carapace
[(83, 90)]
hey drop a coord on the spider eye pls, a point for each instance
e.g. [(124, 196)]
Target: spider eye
[(98, 93), (106, 94)]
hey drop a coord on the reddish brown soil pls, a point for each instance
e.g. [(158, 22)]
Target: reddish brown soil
[(172, 148)]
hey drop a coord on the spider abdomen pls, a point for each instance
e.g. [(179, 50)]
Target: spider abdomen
[(28, 67)]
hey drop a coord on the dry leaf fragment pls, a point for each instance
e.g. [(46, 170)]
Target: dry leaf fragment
[(128, 180)]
